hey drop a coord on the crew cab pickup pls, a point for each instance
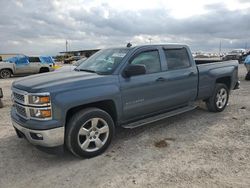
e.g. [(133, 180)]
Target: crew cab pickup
[(126, 87), (24, 65)]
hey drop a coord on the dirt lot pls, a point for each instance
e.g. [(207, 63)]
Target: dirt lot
[(195, 149)]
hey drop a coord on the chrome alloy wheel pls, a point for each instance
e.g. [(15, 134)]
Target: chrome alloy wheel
[(93, 134), (221, 98)]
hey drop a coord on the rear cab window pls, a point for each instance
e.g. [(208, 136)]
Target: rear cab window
[(177, 58)]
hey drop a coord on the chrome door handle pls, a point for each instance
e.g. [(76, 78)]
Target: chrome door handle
[(191, 74), (161, 79)]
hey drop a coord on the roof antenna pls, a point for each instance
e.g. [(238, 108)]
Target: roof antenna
[(129, 45)]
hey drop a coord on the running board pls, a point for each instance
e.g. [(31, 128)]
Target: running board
[(158, 117)]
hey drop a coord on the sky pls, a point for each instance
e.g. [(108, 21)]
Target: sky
[(41, 27)]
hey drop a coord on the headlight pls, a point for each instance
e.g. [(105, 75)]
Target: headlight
[(40, 113), (39, 99), (41, 106)]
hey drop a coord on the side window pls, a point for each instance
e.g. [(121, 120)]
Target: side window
[(34, 59), (177, 58), (150, 59)]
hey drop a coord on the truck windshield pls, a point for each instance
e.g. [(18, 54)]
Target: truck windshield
[(104, 61)]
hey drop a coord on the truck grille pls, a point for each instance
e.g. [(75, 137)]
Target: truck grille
[(18, 97), (20, 110)]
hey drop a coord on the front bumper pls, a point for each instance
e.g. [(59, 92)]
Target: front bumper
[(47, 138)]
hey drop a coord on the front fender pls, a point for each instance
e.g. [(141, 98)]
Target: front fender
[(64, 101)]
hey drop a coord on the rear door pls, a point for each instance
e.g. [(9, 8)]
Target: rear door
[(181, 77), (34, 64), (142, 94)]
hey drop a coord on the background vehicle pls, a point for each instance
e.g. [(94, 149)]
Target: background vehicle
[(126, 87), (236, 54), (72, 66), (247, 64), (71, 59), (25, 65)]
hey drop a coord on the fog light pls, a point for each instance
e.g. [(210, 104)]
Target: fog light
[(39, 135), (36, 136)]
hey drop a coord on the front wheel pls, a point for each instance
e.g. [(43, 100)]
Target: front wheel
[(89, 132), (5, 73), (218, 101)]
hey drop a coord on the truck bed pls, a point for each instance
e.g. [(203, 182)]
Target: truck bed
[(210, 71), (200, 61)]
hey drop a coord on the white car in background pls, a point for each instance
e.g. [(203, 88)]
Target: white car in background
[(66, 68)]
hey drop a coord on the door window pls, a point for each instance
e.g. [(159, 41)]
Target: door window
[(34, 59), (150, 59), (177, 58)]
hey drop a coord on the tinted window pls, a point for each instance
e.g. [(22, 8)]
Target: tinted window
[(177, 58), (34, 59), (150, 59)]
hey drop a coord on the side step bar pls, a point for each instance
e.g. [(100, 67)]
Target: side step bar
[(158, 117)]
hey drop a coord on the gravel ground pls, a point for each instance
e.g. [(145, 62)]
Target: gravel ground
[(195, 149)]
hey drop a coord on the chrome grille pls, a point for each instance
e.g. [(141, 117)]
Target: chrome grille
[(21, 110), (18, 97)]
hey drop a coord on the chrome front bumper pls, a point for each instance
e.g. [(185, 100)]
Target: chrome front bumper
[(47, 138)]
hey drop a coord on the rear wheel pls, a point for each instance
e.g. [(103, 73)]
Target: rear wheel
[(89, 132), (44, 69), (218, 101), (5, 73)]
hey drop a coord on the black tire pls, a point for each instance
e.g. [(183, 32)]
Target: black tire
[(247, 76), (213, 103), (83, 120), (44, 69), (5, 73)]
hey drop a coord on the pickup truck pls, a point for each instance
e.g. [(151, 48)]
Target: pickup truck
[(237, 54), (126, 87), (23, 65)]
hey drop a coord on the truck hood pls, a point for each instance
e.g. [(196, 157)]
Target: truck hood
[(61, 81)]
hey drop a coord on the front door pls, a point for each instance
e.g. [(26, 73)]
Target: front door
[(142, 94)]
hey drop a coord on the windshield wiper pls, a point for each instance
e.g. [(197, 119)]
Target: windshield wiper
[(86, 70)]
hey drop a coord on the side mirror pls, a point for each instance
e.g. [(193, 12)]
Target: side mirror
[(134, 70)]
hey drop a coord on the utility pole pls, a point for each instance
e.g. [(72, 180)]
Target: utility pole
[(66, 46), (220, 48), (150, 39)]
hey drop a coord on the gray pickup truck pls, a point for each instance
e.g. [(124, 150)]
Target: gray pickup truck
[(126, 87)]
